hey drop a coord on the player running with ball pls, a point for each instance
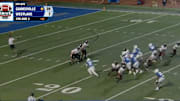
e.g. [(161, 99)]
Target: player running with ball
[(91, 67), (159, 80)]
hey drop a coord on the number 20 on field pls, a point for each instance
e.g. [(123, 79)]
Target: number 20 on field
[(51, 87)]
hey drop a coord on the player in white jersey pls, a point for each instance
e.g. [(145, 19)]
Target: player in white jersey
[(120, 72), (12, 44), (83, 49), (162, 51), (75, 55), (124, 52), (160, 78), (31, 98), (115, 67), (151, 59), (91, 67), (174, 51)]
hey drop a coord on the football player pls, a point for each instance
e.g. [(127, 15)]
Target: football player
[(151, 59), (91, 67), (152, 47), (115, 67), (83, 49), (75, 55), (12, 44), (160, 78), (162, 51), (31, 97), (137, 53), (120, 71), (127, 61), (175, 49), (135, 66)]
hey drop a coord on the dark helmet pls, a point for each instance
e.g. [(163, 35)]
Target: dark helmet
[(78, 48), (86, 41), (125, 49), (80, 45), (32, 94)]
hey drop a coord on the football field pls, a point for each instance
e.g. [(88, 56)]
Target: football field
[(43, 65)]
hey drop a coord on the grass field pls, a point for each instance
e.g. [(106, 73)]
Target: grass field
[(43, 67)]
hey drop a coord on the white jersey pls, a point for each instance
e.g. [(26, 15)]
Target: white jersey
[(11, 41), (84, 46), (75, 51), (31, 98), (121, 70), (114, 66), (175, 46), (162, 48)]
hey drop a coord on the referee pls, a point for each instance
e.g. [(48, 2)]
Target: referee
[(11, 44), (31, 97)]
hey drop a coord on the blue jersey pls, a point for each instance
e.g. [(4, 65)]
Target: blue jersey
[(159, 75), (136, 52), (133, 60), (152, 48), (127, 60), (89, 63)]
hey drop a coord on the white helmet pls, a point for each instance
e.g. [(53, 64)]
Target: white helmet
[(88, 59), (156, 70), (150, 44), (135, 46)]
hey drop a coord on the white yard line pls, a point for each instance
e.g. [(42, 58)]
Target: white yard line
[(139, 84), (69, 29), (85, 38), (55, 66), (145, 12), (88, 77), (53, 22)]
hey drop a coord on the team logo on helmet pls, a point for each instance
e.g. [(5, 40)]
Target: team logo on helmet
[(6, 11)]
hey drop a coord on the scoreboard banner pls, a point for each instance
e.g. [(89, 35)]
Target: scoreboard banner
[(20, 11)]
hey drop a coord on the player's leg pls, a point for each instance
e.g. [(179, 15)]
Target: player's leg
[(13, 48), (173, 53), (128, 65), (72, 58), (93, 71), (111, 71), (89, 71)]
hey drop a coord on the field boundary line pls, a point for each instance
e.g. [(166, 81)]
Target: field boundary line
[(69, 29), (68, 43), (144, 12), (83, 79), (54, 66), (52, 22)]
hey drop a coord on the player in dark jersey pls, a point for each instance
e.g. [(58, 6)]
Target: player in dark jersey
[(75, 55), (174, 51), (83, 49), (120, 72), (115, 67)]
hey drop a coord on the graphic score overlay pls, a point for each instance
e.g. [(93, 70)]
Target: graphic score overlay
[(20, 11)]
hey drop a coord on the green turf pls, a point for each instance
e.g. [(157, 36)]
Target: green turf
[(45, 59)]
